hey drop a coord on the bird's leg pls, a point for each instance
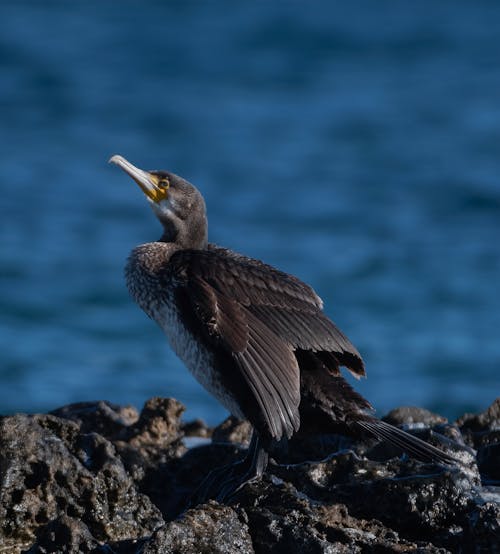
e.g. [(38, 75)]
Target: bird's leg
[(223, 482)]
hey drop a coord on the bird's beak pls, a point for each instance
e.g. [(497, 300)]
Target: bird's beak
[(147, 181)]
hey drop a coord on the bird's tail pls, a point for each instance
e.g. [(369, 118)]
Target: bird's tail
[(330, 404), (406, 442)]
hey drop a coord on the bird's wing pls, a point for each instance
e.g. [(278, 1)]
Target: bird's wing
[(280, 301), (267, 373)]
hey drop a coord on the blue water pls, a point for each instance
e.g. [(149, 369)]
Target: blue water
[(356, 146)]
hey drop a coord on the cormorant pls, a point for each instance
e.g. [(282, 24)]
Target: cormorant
[(255, 337)]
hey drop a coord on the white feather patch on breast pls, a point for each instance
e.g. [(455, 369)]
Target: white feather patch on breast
[(198, 359)]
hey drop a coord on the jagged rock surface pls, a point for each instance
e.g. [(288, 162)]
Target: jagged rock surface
[(95, 477)]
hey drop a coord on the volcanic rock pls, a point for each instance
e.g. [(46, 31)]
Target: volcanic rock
[(96, 477)]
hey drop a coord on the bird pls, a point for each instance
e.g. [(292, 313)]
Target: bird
[(255, 337)]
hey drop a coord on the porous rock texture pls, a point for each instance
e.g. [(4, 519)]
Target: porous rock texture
[(96, 477)]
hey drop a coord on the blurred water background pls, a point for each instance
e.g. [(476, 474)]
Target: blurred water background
[(355, 145)]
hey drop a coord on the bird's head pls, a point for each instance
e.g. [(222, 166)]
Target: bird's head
[(176, 203)]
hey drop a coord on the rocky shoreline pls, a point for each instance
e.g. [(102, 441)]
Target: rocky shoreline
[(96, 477)]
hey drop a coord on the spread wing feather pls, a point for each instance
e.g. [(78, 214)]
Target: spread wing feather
[(250, 281), (260, 317), (284, 303), (270, 368), (311, 331), (266, 363)]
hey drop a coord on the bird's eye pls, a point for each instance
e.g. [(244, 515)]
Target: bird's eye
[(164, 183)]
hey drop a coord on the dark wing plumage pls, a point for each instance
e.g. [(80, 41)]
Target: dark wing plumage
[(259, 316), (287, 305), (267, 365)]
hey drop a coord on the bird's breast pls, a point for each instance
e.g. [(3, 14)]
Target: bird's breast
[(152, 289), (199, 359)]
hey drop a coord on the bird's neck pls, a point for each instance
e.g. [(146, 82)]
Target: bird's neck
[(184, 242), (186, 234)]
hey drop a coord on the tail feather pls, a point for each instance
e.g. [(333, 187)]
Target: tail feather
[(405, 441)]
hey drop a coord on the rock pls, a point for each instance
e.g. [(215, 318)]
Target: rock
[(209, 528), (482, 431), (51, 469), (196, 428), (487, 459), (413, 416), (105, 418), (487, 421), (283, 520), (233, 430), (96, 477), (64, 534)]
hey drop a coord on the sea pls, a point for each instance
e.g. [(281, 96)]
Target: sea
[(355, 145)]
